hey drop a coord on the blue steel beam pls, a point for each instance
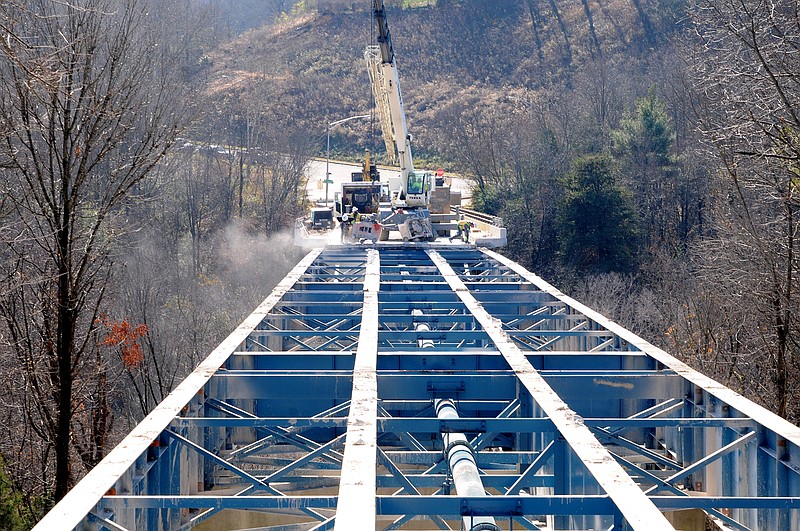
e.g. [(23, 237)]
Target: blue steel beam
[(454, 505), (275, 398), (475, 424), (627, 496), (80, 501), (408, 485)]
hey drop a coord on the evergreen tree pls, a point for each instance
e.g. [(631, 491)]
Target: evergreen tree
[(644, 143), (14, 512), (598, 230)]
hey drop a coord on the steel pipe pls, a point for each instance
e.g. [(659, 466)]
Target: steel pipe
[(422, 327), (463, 468)]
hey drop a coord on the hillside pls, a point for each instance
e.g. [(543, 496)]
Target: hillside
[(308, 68)]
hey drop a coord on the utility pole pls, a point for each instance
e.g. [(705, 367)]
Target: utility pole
[(328, 150)]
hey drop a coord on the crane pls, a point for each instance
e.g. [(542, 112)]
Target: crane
[(411, 193)]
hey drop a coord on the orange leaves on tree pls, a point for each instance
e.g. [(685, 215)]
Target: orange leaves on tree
[(125, 337)]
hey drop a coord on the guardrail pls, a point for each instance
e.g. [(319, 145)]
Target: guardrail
[(482, 217), (490, 230)]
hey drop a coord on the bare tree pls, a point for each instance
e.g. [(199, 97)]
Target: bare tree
[(748, 76), (281, 178), (513, 155), (89, 115)]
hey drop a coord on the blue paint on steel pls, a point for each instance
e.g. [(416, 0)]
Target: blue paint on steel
[(272, 415)]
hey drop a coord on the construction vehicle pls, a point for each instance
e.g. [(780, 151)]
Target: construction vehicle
[(367, 197), (410, 194), (369, 171), (412, 204), (320, 218), (365, 192)]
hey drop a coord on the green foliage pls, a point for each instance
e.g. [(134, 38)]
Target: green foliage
[(644, 144), (646, 135), (597, 224), (14, 512), (489, 199)]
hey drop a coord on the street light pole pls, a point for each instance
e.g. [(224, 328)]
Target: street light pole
[(328, 150)]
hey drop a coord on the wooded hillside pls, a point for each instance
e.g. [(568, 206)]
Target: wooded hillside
[(644, 155), (450, 54)]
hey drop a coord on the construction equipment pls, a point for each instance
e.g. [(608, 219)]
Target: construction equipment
[(320, 218), (412, 204), (365, 192), (411, 193)]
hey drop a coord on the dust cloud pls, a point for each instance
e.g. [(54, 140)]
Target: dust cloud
[(251, 265)]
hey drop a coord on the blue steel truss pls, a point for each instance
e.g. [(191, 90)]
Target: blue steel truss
[(355, 394)]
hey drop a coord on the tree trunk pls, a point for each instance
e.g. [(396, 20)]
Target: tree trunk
[(65, 337), (564, 32), (783, 321), (594, 42), (536, 21)]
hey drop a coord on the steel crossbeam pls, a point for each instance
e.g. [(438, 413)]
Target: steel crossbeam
[(572, 421), (627, 496)]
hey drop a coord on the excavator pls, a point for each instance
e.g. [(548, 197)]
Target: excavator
[(410, 193)]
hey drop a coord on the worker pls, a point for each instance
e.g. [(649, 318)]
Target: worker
[(463, 228), (345, 225), (356, 215), (415, 183)]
